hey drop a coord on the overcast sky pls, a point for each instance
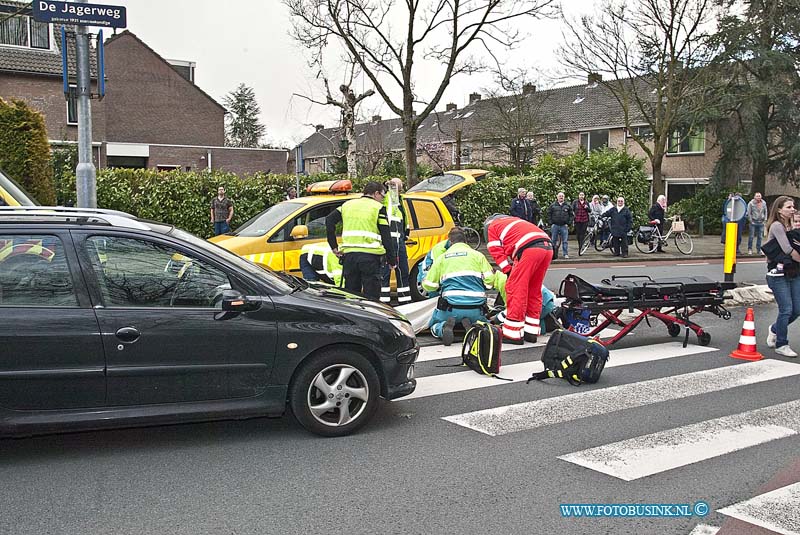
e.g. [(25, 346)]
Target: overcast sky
[(248, 41)]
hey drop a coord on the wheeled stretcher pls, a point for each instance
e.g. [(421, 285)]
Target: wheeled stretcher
[(672, 300)]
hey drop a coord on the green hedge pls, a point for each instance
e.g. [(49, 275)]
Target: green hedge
[(608, 172), (183, 198), (24, 151)]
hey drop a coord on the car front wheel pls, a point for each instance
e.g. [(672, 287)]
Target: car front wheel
[(335, 393)]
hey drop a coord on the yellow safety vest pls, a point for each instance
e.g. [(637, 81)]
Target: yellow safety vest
[(331, 267), (360, 220)]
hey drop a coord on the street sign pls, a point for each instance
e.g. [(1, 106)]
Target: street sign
[(79, 14)]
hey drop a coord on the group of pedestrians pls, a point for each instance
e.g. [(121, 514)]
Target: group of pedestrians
[(580, 214)]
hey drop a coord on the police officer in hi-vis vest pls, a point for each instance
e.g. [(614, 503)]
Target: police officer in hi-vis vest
[(398, 227), (365, 241)]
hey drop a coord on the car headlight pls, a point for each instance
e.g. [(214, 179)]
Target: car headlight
[(404, 327)]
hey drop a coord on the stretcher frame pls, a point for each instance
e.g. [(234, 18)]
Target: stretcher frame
[(668, 300)]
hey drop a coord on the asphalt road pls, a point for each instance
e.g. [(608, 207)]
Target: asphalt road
[(412, 472)]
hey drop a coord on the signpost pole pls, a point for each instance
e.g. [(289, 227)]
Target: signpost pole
[(85, 174)]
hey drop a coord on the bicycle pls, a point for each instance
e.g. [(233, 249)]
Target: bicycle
[(649, 237), (592, 237), (473, 237)]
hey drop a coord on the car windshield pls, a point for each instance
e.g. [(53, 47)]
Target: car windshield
[(268, 219), (284, 283), (438, 183), (16, 191)]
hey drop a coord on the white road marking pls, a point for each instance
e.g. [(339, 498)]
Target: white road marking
[(777, 511), (533, 414), (704, 529), (693, 264), (627, 266), (439, 351), (468, 380), (762, 261), (646, 455)]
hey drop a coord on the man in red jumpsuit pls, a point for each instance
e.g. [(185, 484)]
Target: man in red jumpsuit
[(521, 245)]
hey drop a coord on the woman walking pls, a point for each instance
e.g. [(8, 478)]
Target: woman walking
[(782, 275)]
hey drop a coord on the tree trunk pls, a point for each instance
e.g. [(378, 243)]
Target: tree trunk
[(760, 143), (410, 134), (658, 177)]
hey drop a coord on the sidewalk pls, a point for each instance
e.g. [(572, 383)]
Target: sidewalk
[(707, 247)]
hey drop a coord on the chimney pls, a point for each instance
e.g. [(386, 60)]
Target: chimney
[(376, 118), (451, 107), (320, 127), (594, 78), (474, 97), (527, 89)]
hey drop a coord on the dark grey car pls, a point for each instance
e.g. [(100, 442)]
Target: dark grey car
[(108, 321)]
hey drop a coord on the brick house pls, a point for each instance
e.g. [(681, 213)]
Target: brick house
[(153, 115), (563, 120)]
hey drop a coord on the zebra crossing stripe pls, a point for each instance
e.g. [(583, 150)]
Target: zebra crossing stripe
[(439, 351), (533, 414), (469, 380), (646, 455), (704, 529), (776, 511)]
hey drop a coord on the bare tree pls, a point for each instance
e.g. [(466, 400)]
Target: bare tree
[(347, 103), (650, 55), (442, 30), (513, 120)]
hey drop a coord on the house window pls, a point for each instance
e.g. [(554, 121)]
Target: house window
[(466, 154), (642, 132), (72, 105), (168, 167), (24, 31), (127, 162), (687, 141), (594, 140), (557, 137)]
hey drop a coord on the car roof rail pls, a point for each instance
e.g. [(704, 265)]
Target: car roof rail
[(113, 218)]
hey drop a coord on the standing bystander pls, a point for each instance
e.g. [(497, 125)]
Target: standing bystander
[(520, 207), (536, 211), (581, 211), (657, 215), (559, 215), (782, 275), (221, 212), (621, 223), (756, 216)]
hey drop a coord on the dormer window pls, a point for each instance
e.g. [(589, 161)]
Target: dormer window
[(24, 31)]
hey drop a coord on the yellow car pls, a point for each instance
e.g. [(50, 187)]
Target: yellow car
[(274, 237), (13, 194)]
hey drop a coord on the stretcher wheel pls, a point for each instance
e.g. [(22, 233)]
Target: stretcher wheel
[(704, 338), (674, 329)]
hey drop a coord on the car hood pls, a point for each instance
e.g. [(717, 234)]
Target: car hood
[(325, 295)]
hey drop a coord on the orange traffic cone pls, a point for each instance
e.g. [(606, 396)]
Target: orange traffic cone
[(747, 340)]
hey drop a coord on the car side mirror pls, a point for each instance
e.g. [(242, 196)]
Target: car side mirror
[(299, 232), (233, 301)]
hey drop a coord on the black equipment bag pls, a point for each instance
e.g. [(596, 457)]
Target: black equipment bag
[(481, 349), (572, 357)]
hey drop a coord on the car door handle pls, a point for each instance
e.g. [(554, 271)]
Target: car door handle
[(127, 334)]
